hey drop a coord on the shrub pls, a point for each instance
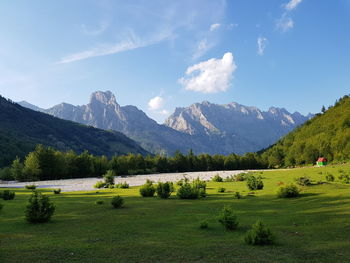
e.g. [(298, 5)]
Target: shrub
[(259, 234), (109, 178), (30, 186), (100, 184), (217, 178), (39, 208), (201, 186), (330, 177), (288, 191), (182, 181), (117, 202), (344, 178), (1, 206), (229, 178), (111, 186), (147, 190), (188, 191), (255, 183), (221, 190), (240, 177), (99, 202), (303, 181), (237, 195), (6, 175), (203, 224), (164, 190), (124, 185), (7, 195), (228, 219), (57, 191)]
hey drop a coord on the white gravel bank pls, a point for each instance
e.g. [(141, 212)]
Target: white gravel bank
[(87, 184)]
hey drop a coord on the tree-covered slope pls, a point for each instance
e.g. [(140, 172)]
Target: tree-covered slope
[(325, 135), (21, 129)]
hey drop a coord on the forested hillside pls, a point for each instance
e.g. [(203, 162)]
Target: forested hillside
[(326, 135), (21, 129)]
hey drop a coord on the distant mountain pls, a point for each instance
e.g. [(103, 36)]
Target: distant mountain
[(203, 127), (21, 129), (325, 135), (233, 120)]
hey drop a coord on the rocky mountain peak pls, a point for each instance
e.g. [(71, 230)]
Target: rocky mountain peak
[(103, 97)]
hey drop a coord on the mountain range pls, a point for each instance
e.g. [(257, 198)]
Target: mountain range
[(203, 127)]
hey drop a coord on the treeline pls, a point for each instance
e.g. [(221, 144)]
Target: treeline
[(325, 135), (46, 163)]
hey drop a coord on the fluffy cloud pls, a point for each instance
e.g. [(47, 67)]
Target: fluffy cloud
[(156, 103), (214, 27), (292, 4), (261, 45), (211, 76)]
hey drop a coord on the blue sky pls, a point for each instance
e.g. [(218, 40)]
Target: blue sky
[(159, 54)]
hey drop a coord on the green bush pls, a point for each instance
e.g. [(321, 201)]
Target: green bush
[(57, 191), (124, 185), (189, 191), (217, 178), (6, 175), (182, 181), (344, 178), (30, 186), (109, 178), (303, 181), (240, 177), (100, 184), (7, 195), (99, 202), (228, 218), (164, 190), (330, 177), (203, 224), (288, 191), (229, 178), (1, 206), (259, 234), (39, 208), (237, 195), (255, 183), (117, 202), (111, 186), (147, 190), (221, 190), (201, 186)]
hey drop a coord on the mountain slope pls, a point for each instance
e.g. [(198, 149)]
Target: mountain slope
[(326, 135), (21, 129)]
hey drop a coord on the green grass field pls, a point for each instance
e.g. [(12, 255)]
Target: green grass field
[(312, 228)]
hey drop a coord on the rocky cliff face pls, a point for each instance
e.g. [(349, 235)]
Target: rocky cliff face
[(203, 127)]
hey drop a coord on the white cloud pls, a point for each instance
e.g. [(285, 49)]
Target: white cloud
[(285, 23), (132, 42), (202, 48), (211, 76), (156, 103), (292, 4), (103, 26), (215, 26), (262, 41)]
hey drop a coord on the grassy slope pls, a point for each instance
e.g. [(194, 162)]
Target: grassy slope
[(312, 228)]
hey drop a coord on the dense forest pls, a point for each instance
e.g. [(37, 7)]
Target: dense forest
[(325, 135), (22, 129)]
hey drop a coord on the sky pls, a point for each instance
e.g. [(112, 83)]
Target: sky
[(163, 54)]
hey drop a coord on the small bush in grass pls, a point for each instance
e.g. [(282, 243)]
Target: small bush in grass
[(100, 184), (259, 235), (217, 178), (221, 190), (303, 181), (237, 195), (124, 185), (30, 186), (109, 178), (7, 195), (201, 186), (164, 190), (99, 202), (203, 224), (330, 177), (240, 177), (182, 181), (147, 190), (344, 178), (57, 191), (188, 191), (228, 218), (255, 183), (39, 208), (117, 202), (229, 178), (111, 186), (288, 191)]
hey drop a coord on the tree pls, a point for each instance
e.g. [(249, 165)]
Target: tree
[(17, 170), (31, 170)]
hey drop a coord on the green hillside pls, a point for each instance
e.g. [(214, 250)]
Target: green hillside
[(326, 135), (21, 129)]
